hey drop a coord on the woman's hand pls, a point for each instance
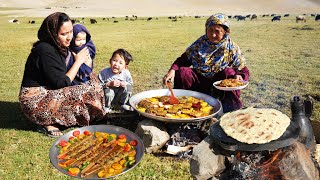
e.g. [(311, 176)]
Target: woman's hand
[(169, 76), (82, 56), (79, 59)]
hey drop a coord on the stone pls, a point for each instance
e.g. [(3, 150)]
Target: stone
[(153, 135), (205, 163), (297, 164)]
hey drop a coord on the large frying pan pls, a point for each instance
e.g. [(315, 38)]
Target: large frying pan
[(54, 151), (135, 99), (220, 137)]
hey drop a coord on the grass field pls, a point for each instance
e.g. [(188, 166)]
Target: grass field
[(283, 58)]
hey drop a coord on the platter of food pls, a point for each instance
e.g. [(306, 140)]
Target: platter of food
[(97, 152), (230, 84), (193, 106)]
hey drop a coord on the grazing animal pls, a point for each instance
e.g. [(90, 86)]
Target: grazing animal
[(301, 18), (93, 21), (254, 16), (276, 18), (286, 15), (317, 18), (115, 21), (241, 18), (14, 21), (197, 16), (32, 22), (149, 18)]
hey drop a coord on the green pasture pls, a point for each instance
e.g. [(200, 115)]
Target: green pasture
[(283, 58)]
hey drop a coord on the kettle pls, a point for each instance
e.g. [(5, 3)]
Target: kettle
[(301, 112)]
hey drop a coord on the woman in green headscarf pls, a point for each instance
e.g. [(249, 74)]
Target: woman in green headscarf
[(212, 57)]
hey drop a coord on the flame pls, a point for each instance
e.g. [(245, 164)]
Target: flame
[(269, 169)]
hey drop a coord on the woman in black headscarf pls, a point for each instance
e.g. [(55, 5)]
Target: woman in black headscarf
[(46, 96)]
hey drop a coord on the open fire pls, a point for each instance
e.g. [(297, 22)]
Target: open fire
[(293, 162)]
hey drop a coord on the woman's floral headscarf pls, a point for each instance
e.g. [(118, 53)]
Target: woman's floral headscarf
[(48, 32), (210, 58)]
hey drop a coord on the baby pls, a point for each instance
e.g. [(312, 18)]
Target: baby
[(81, 39), (118, 81)]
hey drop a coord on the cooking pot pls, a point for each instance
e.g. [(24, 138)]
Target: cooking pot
[(216, 104)]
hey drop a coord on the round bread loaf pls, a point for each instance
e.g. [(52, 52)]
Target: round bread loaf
[(255, 125)]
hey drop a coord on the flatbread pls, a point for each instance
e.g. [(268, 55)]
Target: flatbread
[(255, 125)]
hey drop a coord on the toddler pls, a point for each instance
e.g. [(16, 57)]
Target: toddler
[(81, 39), (118, 81)]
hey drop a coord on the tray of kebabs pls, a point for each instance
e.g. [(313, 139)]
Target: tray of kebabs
[(97, 152)]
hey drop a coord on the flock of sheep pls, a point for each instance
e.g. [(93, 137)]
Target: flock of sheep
[(274, 17)]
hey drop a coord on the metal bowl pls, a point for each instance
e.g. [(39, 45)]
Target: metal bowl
[(135, 99), (54, 150)]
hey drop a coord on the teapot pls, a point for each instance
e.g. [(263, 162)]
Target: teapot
[(301, 112)]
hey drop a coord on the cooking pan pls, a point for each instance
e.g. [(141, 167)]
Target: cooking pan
[(220, 137), (135, 99), (54, 151)]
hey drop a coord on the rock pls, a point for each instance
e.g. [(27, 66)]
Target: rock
[(153, 134), (297, 164), (204, 163), (316, 130)]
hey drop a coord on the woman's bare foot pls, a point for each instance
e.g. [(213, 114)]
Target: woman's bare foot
[(53, 131)]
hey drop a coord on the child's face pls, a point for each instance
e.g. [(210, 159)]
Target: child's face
[(80, 39), (117, 64)]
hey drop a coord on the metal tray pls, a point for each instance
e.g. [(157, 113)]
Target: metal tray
[(135, 99), (54, 150)]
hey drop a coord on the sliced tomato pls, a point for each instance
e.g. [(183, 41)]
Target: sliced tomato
[(122, 136), (133, 142), (76, 133), (127, 147), (63, 143), (86, 133)]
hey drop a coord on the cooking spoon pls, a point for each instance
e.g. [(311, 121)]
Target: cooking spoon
[(173, 99)]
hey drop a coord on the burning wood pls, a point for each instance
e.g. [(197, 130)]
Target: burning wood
[(293, 162)]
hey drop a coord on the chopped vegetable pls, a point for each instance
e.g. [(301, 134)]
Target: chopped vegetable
[(86, 133), (73, 171), (76, 133), (63, 143), (133, 142), (122, 136)]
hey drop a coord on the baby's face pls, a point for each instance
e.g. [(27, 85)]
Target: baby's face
[(80, 39), (117, 64)]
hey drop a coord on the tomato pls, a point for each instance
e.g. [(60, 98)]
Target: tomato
[(76, 133), (127, 147), (133, 142), (122, 136), (86, 133), (63, 143)]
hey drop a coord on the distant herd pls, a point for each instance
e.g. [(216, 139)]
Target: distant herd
[(274, 17)]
